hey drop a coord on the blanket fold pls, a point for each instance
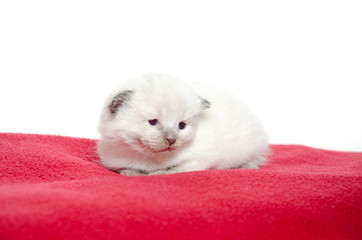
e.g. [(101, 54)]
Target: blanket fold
[(52, 187)]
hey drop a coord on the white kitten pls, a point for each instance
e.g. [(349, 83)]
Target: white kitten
[(158, 124)]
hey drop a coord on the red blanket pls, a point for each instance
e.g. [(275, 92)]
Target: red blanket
[(52, 188)]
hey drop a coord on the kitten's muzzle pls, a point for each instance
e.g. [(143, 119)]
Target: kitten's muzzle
[(170, 137)]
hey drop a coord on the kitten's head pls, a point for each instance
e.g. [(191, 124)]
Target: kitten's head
[(153, 113)]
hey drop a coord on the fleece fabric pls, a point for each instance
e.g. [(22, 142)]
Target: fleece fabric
[(52, 187)]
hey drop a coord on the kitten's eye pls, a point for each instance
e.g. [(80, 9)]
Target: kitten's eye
[(153, 122), (181, 125)]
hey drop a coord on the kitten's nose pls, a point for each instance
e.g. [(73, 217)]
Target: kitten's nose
[(171, 141), (170, 136)]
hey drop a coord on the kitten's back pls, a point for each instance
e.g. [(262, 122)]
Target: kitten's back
[(228, 132)]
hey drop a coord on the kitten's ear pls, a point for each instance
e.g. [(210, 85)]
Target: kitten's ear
[(205, 104), (119, 100)]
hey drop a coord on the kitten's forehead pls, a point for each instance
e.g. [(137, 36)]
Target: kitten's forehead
[(169, 98), (174, 106)]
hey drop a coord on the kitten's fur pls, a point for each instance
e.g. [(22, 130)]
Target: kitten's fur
[(220, 131)]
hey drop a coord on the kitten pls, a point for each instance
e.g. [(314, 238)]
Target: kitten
[(157, 124)]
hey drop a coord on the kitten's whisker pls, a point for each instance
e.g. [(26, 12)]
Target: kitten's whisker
[(148, 155)]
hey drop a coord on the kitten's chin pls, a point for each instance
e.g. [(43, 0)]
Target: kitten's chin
[(145, 147), (161, 151), (167, 150)]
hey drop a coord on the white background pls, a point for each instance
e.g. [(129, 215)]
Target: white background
[(298, 64)]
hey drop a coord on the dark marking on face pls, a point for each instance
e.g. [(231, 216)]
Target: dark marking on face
[(119, 100), (205, 104)]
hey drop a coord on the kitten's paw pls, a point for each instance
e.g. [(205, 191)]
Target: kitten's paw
[(250, 165), (159, 172), (254, 163), (132, 172)]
